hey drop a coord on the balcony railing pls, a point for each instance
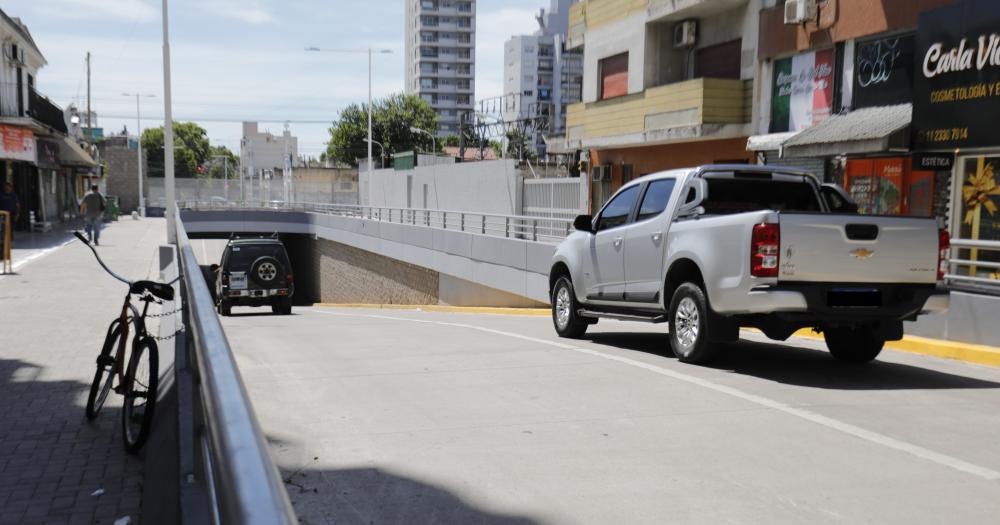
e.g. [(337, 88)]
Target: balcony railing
[(686, 104), (968, 272), (45, 112)]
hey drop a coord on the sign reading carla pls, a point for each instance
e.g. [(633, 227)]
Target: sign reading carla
[(956, 90)]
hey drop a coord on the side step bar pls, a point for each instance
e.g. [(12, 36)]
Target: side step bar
[(651, 318)]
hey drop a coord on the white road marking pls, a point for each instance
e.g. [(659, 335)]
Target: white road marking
[(37, 255), (834, 424)]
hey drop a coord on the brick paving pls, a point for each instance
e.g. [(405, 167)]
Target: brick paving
[(53, 315)]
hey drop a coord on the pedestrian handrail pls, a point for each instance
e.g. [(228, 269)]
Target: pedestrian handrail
[(966, 271), (533, 228), (242, 481)]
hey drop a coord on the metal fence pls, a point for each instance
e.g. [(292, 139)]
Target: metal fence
[(970, 271), (337, 191), (243, 484), (558, 198), (541, 229)]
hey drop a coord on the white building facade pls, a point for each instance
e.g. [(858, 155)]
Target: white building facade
[(541, 76), (441, 57)]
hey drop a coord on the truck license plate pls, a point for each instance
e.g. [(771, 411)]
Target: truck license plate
[(238, 281)]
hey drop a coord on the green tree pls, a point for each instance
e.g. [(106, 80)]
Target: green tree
[(191, 149), (219, 157), (391, 121)]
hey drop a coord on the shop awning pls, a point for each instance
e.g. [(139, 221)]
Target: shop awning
[(70, 154), (769, 142), (867, 130)]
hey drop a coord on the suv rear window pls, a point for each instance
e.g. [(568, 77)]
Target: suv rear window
[(241, 256), (737, 195)]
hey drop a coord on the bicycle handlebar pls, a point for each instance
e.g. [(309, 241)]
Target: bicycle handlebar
[(113, 274)]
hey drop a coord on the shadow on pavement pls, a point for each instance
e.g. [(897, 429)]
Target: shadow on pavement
[(373, 495), (801, 366), (52, 459)]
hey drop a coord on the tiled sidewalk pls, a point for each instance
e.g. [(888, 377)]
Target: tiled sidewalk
[(53, 315)]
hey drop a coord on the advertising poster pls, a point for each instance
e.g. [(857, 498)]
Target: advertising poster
[(17, 144), (956, 92), (883, 72), (802, 95)]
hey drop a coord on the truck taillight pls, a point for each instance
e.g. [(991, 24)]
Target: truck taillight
[(225, 279), (764, 250), (290, 279), (944, 244)]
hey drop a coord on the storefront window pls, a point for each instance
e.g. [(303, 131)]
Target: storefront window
[(889, 186), (980, 211)]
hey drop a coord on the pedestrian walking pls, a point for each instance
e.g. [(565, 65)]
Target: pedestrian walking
[(10, 204), (92, 211)]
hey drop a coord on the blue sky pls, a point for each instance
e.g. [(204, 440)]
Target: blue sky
[(241, 59)]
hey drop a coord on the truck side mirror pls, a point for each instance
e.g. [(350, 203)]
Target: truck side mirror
[(584, 223), (696, 193), (837, 199)]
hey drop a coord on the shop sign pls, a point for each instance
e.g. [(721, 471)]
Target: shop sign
[(883, 71), (957, 80), (802, 93), (48, 154), (17, 144), (933, 161)]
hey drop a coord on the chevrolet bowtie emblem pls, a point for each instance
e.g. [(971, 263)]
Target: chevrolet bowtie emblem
[(862, 253)]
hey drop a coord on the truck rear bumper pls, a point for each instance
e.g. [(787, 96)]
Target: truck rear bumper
[(846, 301)]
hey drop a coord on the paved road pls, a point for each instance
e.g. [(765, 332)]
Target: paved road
[(53, 316), (413, 417)]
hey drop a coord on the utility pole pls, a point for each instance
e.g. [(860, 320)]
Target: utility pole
[(138, 133), (88, 94)]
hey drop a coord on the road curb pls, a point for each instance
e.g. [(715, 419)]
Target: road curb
[(965, 352), (536, 312)]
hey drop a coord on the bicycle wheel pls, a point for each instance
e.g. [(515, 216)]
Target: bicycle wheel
[(141, 381), (105, 373)]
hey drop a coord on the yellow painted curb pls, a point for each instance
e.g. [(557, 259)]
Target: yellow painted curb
[(443, 308), (969, 353)]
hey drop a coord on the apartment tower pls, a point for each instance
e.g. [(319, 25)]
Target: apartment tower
[(441, 57)]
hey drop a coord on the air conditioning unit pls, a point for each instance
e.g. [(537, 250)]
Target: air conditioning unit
[(685, 34), (799, 11)]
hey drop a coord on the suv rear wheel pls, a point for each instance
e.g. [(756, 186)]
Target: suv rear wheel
[(225, 309), (689, 324), (283, 307)]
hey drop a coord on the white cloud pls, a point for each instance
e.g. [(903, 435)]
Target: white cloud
[(131, 10), (493, 28), (247, 11)]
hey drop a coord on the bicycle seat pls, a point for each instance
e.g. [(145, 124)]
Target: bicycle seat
[(160, 290)]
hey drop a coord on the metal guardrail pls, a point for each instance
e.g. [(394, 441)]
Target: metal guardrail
[(542, 229), (242, 481), (978, 276)]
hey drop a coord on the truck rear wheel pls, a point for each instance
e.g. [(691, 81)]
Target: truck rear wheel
[(564, 316), (853, 344), (689, 324)]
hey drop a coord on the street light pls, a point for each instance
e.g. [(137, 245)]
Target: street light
[(425, 132), (381, 148), (370, 51), (138, 133)]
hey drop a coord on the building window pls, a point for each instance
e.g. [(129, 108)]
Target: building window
[(614, 76)]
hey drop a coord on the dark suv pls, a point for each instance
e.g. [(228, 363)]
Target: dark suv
[(254, 272)]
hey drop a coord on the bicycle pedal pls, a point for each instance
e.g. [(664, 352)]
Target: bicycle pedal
[(105, 360), (119, 390)]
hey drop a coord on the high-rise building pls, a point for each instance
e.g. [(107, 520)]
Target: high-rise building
[(541, 76), (441, 57)]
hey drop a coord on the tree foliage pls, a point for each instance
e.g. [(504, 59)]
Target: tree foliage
[(391, 121), (220, 156), (191, 149)]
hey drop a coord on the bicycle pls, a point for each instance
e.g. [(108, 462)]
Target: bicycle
[(141, 377)]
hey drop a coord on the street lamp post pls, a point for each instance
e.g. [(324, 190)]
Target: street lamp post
[(425, 132), (370, 51), (138, 133), (168, 133), (381, 148)]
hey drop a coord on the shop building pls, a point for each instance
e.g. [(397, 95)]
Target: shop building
[(665, 85)]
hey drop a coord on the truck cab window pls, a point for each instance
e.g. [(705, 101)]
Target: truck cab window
[(617, 211)]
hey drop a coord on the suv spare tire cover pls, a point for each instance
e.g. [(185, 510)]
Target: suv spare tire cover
[(266, 271)]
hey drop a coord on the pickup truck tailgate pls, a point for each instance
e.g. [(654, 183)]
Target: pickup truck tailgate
[(857, 249)]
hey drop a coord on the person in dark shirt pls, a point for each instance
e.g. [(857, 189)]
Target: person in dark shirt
[(10, 204)]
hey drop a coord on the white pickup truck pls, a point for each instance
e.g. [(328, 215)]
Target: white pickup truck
[(712, 249)]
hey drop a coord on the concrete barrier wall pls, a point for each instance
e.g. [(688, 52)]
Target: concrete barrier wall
[(512, 272)]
